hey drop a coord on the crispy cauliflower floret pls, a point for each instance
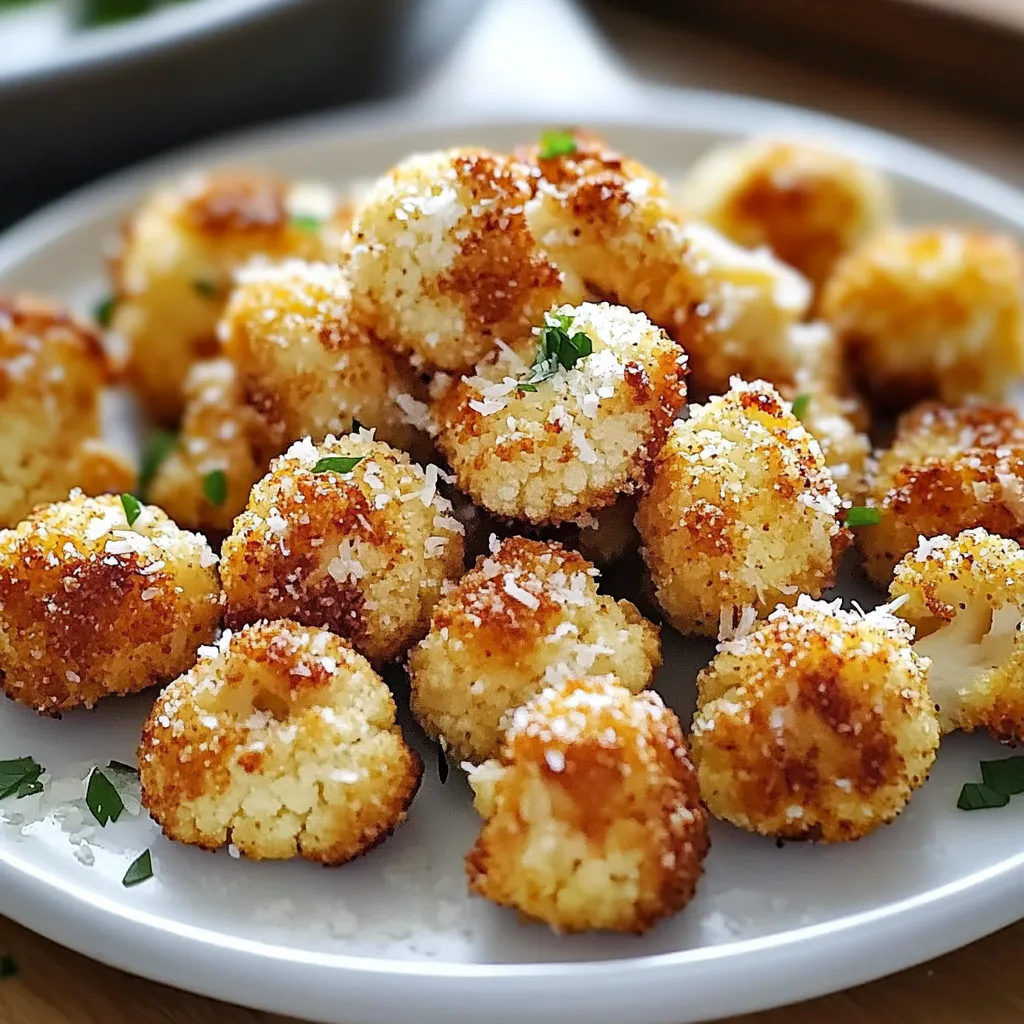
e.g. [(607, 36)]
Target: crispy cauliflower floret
[(948, 470), (592, 817), (361, 549), (220, 434), (575, 440), (52, 373), (965, 599), (741, 513), (90, 606), (442, 259), (281, 741), (817, 725), (178, 256), (930, 312), (529, 615), (303, 361), (808, 205)]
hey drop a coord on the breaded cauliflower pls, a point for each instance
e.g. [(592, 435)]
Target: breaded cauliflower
[(90, 606), (817, 725), (965, 599), (741, 513), (179, 253), (52, 373), (220, 434), (348, 534), (306, 365), (930, 312), (582, 433), (592, 817), (808, 205), (527, 616), (948, 470), (281, 741), (443, 262)]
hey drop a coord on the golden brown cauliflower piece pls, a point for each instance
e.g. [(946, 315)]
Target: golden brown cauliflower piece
[(443, 262), (582, 434), (179, 253), (220, 434), (52, 373), (281, 741), (741, 513), (965, 599), (90, 606), (306, 365), (527, 616), (817, 725), (948, 470), (930, 313), (592, 817), (348, 534), (808, 205)]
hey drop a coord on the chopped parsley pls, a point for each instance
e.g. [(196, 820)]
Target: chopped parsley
[(800, 405), (139, 870), (161, 443), (8, 967), (103, 799), (306, 222), (337, 463), (863, 515), (132, 508), (207, 288), (1005, 775), (556, 143), (558, 348), (442, 762), (976, 796), (215, 487), (103, 311), (20, 776)]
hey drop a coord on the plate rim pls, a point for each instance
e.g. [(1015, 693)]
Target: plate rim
[(917, 927)]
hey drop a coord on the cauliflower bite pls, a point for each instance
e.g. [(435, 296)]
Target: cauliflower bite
[(220, 434), (178, 256), (592, 817), (948, 470), (281, 741), (565, 436), (930, 312), (91, 606), (527, 616), (442, 259), (965, 599), (52, 373), (817, 725), (305, 364), (808, 205), (741, 513), (348, 534)]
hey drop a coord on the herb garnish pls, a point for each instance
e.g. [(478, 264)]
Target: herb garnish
[(976, 796), (207, 288), (863, 515), (161, 443), (139, 870), (20, 776), (215, 487), (306, 222), (103, 799), (1000, 780), (800, 404), (558, 348), (132, 508), (337, 463), (103, 311), (555, 143)]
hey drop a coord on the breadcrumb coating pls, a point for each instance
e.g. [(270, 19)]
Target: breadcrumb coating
[(179, 253), (220, 432), (305, 363), (90, 606), (576, 441), (741, 513), (592, 816), (948, 470), (817, 725), (930, 313), (527, 616), (443, 261), (52, 373), (362, 552), (810, 206), (281, 741), (965, 599)]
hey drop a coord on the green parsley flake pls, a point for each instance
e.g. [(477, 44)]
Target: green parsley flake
[(215, 487), (160, 445), (132, 508), (976, 796), (306, 222), (558, 348), (140, 870), (1005, 775), (800, 405), (103, 799), (20, 776), (337, 463), (863, 515), (556, 143), (103, 311), (206, 288), (8, 967)]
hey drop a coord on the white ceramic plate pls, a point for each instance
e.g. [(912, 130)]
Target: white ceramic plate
[(393, 937)]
